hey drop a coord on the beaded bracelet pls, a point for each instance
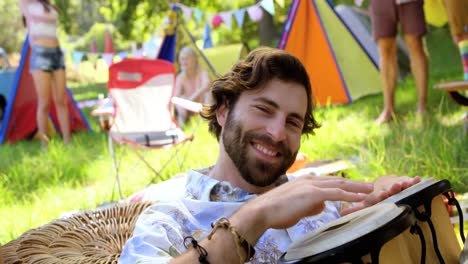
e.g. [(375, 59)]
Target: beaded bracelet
[(201, 250), (241, 243)]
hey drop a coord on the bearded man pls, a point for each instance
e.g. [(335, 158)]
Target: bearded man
[(260, 111)]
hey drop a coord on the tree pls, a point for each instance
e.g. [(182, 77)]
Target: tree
[(13, 30)]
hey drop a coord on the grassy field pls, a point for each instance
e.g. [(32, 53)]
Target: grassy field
[(38, 186)]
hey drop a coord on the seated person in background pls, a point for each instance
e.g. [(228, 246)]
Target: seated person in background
[(259, 112), (192, 83)]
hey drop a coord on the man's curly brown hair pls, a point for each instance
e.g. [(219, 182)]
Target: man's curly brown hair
[(261, 66)]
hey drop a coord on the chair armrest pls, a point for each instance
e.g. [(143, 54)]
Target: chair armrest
[(187, 104), (105, 108)]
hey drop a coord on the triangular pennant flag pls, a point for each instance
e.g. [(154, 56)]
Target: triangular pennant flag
[(93, 57), (92, 48), (207, 43), (280, 2), (150, 49), (269, 6), (198, 15), (108, 58), (255, 13), (138, 53), (227, 18), (77, 57), (187, 12), (122, 54), (239, 16), (208, 17)]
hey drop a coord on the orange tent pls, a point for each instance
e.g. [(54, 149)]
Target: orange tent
[(340, 70)]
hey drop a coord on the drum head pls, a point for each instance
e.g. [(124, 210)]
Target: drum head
[(351, 236), (417, 194)]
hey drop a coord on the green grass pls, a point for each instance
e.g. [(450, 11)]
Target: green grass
[(38, 186)]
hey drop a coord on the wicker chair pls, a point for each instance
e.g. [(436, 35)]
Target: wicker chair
[(94, 236)]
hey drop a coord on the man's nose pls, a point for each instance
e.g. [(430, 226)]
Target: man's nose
[(276, 129)]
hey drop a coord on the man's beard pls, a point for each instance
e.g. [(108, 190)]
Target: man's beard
[(255, 171)]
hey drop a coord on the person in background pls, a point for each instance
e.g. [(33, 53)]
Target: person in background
[(47, 65), (260, 110), (192, 83), (457, 12), (385, 16)]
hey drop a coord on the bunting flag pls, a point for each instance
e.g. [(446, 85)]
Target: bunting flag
[(209, 17), (137, 54), (122, 55), (207, 43), (108, 58), (198, 15), (77, 57), (227, 18), (255, 13), (108, 42), (269, 6), (239, 16), (93, 49), (187, 12), (93, 57), (151, 48)]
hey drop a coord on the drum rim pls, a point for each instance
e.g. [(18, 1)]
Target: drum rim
[(385, 233), (414, 200)]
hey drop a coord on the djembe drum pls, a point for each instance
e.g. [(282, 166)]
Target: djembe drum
[(440, 241), (373, 234)]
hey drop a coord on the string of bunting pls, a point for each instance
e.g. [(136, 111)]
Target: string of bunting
[(255, 13), (149, 49)]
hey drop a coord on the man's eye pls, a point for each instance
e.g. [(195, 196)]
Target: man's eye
[(295, 123), (263, 109)]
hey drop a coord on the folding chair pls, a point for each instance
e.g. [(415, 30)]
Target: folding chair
[(142, 118)]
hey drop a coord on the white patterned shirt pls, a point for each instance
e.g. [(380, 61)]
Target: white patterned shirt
[(160, 230)]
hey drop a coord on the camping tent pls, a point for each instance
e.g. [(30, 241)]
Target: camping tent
[(19, 121), (340, 70), (216, 61)]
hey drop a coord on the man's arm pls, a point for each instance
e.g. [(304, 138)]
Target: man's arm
[(279, 208)]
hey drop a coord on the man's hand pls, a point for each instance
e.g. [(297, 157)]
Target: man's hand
[(286, 204), (279, 208), (384, 187)]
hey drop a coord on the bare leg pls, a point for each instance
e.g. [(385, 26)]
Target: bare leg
[(388, 73), (42, 83), (419, 68), (60, 99)]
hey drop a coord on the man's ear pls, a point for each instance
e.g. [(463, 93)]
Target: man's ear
[(221, 114)]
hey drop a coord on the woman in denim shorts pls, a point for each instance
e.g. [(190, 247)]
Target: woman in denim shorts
[(46, 65)]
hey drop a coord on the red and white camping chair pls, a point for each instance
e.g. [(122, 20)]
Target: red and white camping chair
[(141, 109)]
